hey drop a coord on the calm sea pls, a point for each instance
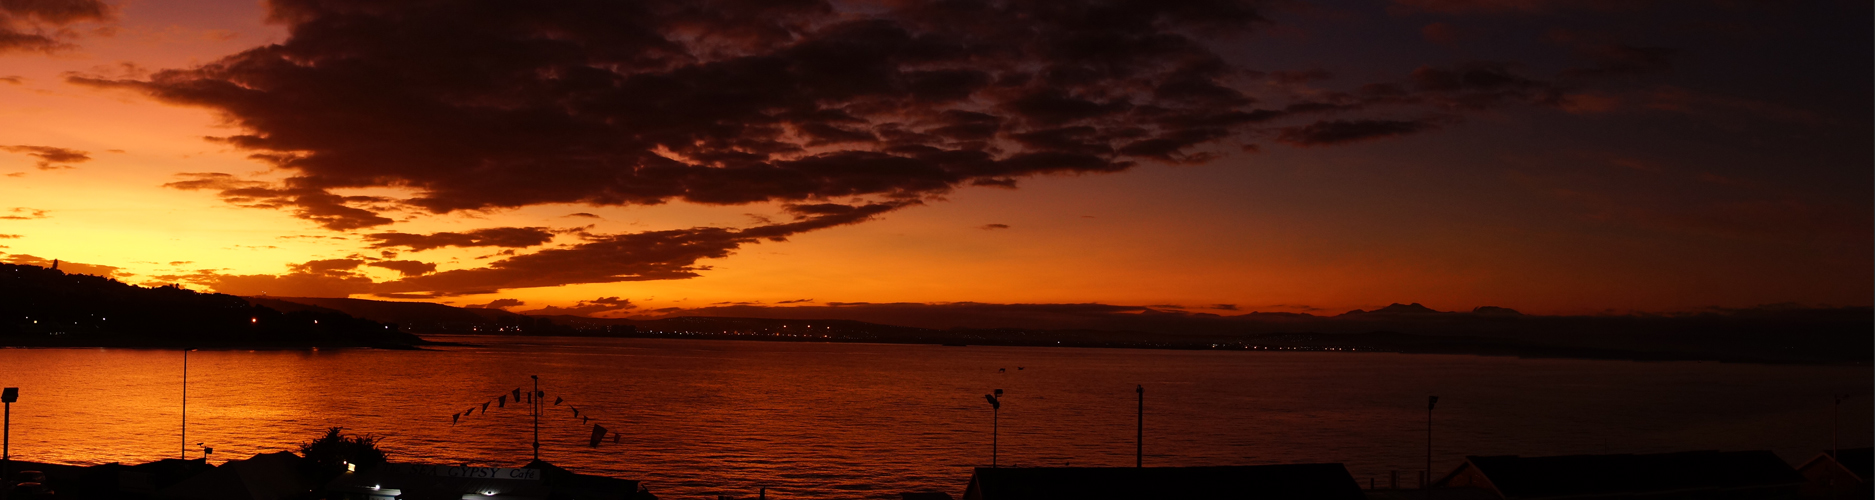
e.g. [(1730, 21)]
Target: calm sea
[(702, 418)]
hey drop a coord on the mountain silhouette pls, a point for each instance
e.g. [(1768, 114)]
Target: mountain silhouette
[(42, 307)]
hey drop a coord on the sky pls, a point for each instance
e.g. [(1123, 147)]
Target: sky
[(629, 157)]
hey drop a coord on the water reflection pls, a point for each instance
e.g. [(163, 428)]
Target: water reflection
[(699, 418)]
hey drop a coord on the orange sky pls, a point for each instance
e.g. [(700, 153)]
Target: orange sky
[(1678, 192)]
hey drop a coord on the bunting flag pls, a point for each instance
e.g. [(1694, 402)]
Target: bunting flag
[(537, 396), (598, 432)]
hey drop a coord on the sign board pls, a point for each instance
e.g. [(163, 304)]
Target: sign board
[(467, 472)]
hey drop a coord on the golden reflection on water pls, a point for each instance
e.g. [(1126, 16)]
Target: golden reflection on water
[(700, 418)]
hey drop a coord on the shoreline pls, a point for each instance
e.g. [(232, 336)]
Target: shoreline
[(1610, 355)]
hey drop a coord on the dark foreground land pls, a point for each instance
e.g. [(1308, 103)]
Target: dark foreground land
[(42, 307)]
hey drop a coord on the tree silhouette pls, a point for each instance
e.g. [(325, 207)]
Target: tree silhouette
[(328, 456)]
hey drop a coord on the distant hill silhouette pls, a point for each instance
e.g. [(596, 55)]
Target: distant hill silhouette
[(42, 307), (1768, 334), (425, 317), (1397, 308)]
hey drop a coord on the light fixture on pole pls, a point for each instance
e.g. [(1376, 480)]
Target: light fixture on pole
[(996, 408)]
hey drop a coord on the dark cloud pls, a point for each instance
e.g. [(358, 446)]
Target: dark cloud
[(24, 23), (319, 206), (1512, 6), (327, 267), (1623, 60), (507, 237), (796, 301), (14, 80), (1441, 33), (497, 304), (994, 226), (490, 105), (406, 267), (839, 114), (602, 258), (1222, 307), (23, 213), (651, 255), (9, 236), (583, 214), (51, 158), (1333, 132), (585, 307)]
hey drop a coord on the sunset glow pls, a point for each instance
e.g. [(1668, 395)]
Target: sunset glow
[(1621, 164)]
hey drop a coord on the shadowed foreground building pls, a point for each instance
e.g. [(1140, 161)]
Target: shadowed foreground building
[(266, 476), (1843, 474), (536, 481), (1271, 482), (1683, 475)]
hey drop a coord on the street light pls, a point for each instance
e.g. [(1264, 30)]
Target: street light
[(996, 408)]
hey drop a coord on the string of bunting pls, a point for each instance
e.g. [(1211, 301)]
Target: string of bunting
[(518, 397)]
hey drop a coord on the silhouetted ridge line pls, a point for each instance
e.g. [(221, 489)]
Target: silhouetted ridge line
[(42, 307), (1772, 334)]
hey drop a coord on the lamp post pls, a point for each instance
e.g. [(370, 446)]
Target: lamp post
[(185, 405), (535, 397), (1139, 441), (996, 408), (1430, 402), (8, 396)]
